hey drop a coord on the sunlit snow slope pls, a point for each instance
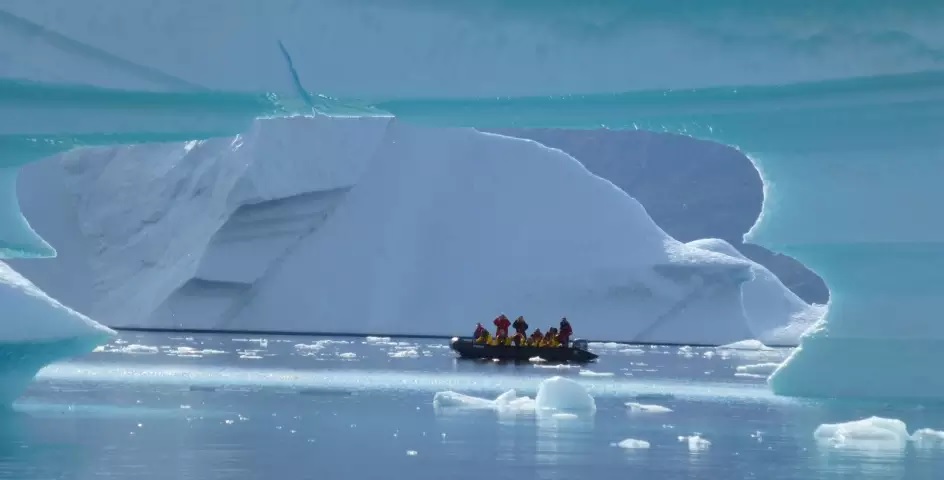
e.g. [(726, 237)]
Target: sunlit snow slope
[(367, 225), (839, 104)]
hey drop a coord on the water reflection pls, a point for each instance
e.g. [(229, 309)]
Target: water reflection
[(562, 439)]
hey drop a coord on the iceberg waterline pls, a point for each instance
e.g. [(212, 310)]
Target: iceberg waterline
[(852, 137)]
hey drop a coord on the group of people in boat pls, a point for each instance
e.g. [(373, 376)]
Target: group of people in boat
[(555, 337)]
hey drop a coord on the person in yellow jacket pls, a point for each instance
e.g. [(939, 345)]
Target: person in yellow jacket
[(536, 339)]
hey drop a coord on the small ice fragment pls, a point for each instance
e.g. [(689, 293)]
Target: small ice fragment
[(411, 453), (136, 349), (371, 339), (745, 345), (709, 354), (603, 345), (185, 407), (633, 444), (508, 402), (228, 421), (763, 369), (406, 353), (643, 408), (927, 438), (695, 442), (632, 351), (558, 366), (563, 394), (347, 355), (591, 373), (536, 360), (873, 433)]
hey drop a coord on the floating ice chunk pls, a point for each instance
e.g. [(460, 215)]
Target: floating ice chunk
[(632, 351), (306, 347), (633, 444), (563, 394), (604, 345), (745, 345), (371, 339), (695, 442), (927, 438), (411, 453), (348, 355), (873, 433), (750, 375), (192, 352), (135, 349), (644, 408), (536, 360), (405, 353), (508, 402), (557, 366), (759, 368), (591, 373)]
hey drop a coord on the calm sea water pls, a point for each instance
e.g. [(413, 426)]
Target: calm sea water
[(154, 406)]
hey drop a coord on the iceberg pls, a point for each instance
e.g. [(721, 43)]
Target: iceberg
[(806, 90), (776, 315), (37, 331), (358, 225)]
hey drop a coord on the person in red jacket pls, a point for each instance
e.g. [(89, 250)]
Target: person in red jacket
[(563, 335), (501, 326)]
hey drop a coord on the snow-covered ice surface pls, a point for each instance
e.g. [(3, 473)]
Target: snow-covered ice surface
[(292, 227)]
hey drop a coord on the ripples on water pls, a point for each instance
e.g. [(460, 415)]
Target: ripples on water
[(206, 407)]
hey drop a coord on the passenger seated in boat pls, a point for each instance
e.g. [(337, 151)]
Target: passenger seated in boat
[(479, 331), (520, 326), (537, 338), (518, 339), (502, 339), (501, 325), (565, 332), (550, 338), (485, 338)]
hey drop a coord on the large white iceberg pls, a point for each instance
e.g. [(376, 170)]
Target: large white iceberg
[(365, 225)]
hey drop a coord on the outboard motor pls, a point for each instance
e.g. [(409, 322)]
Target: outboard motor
[(581, 344)]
